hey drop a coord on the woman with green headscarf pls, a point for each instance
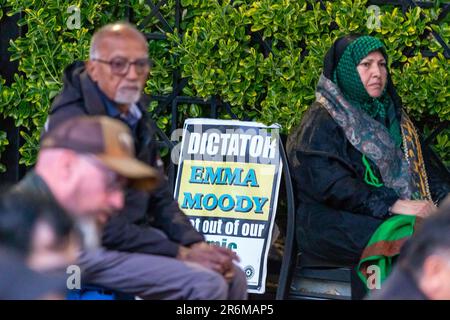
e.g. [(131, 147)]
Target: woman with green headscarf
[(360, 173)]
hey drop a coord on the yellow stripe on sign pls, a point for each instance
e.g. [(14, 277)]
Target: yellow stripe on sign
[(226, 189)]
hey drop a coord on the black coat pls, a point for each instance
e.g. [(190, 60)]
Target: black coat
[(337, 212), (149, 223)]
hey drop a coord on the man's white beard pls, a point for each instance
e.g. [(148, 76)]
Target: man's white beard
[(90, 233), (127, 96)]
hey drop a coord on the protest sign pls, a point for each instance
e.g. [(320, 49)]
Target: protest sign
[(228, 180)]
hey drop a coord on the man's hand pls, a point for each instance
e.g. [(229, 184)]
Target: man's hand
[(220, 250), (224, 252), (213, 257)]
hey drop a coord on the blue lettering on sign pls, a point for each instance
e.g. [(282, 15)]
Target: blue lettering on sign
[(192, 203), (225, 202), (210, 205), (259, 203), (223, 176), (196, 174), (230, 202), (241, 207)]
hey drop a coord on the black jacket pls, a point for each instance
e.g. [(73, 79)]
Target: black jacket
[(138, 227), (337, 212)]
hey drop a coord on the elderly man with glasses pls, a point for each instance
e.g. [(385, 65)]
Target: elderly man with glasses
[(151, 224)]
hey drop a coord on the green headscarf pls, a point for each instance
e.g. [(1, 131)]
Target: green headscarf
[(346, 76)]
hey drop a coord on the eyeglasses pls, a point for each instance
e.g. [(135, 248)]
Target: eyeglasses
[(120, 66), (113, 180)]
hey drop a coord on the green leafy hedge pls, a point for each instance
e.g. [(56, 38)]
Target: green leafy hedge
[(218, 49)]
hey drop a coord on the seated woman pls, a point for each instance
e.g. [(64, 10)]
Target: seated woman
[(360, 172)]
